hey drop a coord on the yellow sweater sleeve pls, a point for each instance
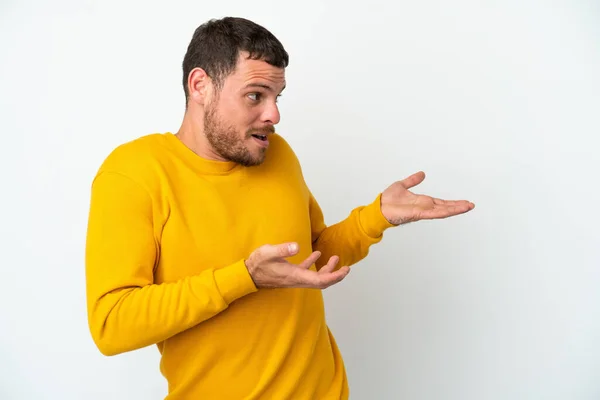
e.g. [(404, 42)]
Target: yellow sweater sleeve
[(351, 238), (126, 309)]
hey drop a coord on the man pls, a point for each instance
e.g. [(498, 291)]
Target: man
[(209, 244)]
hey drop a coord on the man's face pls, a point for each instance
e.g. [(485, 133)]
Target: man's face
[(241, 116)]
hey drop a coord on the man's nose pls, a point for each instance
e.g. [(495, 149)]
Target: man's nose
[(271, 114)]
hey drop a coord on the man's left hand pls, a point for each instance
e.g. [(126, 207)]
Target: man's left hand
[(400, 206)]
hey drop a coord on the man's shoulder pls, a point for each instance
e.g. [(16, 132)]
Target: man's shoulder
[(282, 147), (282, 156), (142, 149), (135, 157)]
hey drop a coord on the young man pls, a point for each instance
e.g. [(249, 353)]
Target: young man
[(209, 244)]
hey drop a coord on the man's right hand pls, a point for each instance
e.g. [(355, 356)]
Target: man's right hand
[(269, 269)]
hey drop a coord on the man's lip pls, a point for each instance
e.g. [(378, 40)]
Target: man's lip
[(265, 135), (261, 142)]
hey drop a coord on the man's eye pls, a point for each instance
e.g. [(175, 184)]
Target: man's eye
[(254, 96)]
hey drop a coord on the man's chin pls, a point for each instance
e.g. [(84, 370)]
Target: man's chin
[(258, 160), (254, 160)]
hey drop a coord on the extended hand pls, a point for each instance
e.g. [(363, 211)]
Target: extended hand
[(399, 205), (269, 269)]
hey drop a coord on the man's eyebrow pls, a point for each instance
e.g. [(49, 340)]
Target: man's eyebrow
[(262, 85)]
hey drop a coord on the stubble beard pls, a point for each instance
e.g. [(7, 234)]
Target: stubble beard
[(226, 141)]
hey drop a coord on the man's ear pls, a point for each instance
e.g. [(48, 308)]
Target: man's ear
[(199, 84)]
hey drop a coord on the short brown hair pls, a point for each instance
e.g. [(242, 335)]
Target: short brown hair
[(216, 45)]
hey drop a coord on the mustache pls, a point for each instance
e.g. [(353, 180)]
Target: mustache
[(262, 131)]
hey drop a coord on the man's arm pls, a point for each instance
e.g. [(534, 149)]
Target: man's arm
[(351, 238), (126, 309)]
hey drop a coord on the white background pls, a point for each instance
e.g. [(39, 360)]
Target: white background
[(498, 102)]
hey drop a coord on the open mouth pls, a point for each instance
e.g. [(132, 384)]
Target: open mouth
[(261, 140)]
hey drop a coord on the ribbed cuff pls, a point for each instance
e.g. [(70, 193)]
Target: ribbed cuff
[(372, 220), (234, 281)]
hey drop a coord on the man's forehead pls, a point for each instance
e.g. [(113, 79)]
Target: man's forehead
[(258, 71), (247, 65)]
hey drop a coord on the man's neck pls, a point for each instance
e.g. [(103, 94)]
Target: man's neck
[(192, 135)]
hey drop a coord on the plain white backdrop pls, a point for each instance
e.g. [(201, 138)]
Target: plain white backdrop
[(498, 102)]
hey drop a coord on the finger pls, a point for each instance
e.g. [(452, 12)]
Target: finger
[(445, 212), (330, 266), (283, 250), (452, 202), (317, 280), (310, 260), (413, 180), (332, 278)]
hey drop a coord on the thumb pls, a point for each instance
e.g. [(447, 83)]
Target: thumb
[(281, 250), (413, 180)]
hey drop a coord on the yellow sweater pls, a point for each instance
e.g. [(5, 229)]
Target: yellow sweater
[(167, 237)]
